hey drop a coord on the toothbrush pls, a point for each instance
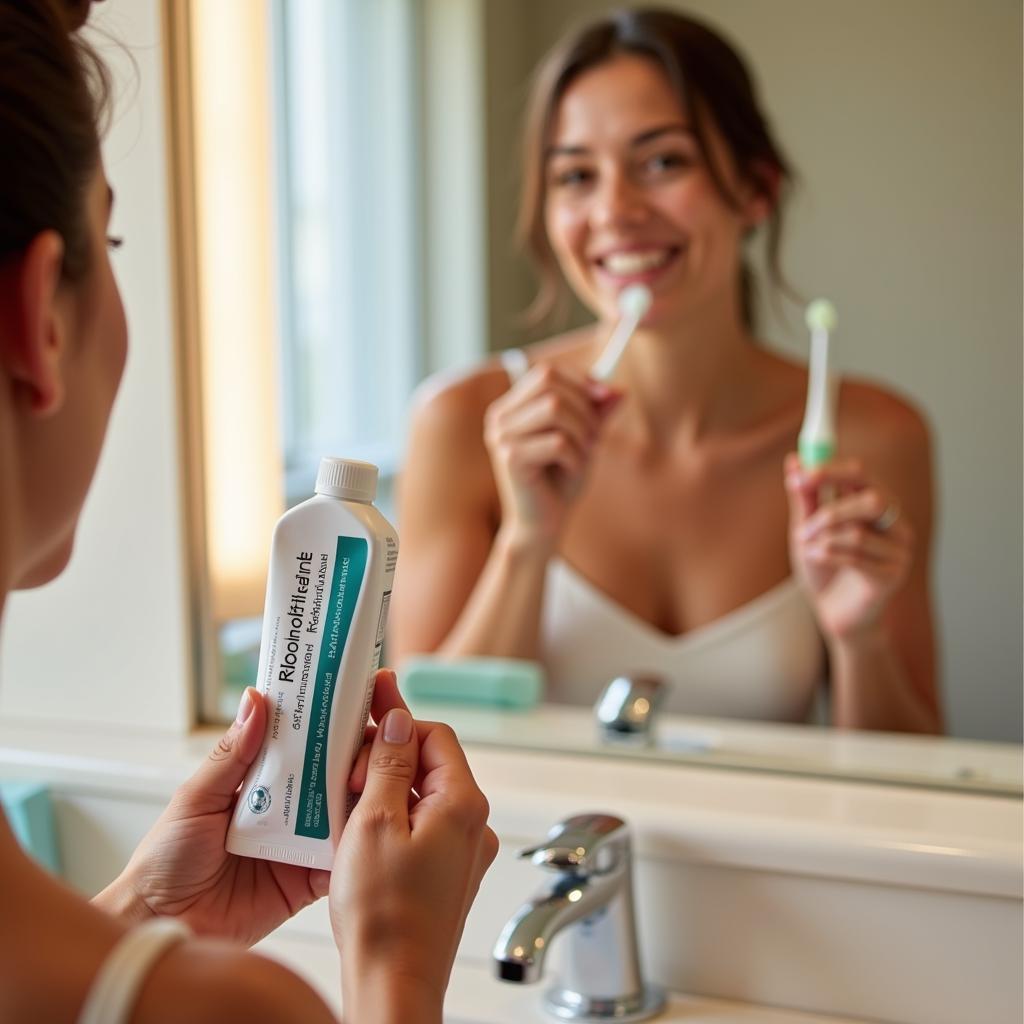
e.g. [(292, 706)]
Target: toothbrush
[(817, 441), (634, 302)]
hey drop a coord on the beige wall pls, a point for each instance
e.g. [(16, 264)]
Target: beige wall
[(904, 120)]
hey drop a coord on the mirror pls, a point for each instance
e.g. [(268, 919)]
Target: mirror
[(393, 130)]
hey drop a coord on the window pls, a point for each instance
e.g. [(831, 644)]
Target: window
[(347, 253), (349, 230), (317, 145)]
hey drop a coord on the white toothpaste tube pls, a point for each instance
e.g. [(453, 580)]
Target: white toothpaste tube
[(332, 564)]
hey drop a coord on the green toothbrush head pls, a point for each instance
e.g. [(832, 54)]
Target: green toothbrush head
[(821, 315)]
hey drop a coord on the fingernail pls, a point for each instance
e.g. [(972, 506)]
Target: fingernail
[(397, 726), (245, 707)]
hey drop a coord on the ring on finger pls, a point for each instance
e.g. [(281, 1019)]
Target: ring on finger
[(889, 516)]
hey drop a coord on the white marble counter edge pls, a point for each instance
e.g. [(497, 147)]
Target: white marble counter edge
[(697, 815)]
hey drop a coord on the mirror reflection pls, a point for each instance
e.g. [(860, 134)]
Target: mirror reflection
[(733, 162), (654, 517)]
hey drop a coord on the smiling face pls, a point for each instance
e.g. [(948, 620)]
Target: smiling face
[(629, 196)]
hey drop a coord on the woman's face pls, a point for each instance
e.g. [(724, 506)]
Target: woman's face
[(629, 198), (65, 444)]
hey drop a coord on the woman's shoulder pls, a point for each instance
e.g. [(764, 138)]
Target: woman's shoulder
[(878, 417), (207, 980), (453, 399), (870, 416), (887, 431)]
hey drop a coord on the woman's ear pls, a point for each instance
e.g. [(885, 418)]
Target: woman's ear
[(764, 182), (33, 339)]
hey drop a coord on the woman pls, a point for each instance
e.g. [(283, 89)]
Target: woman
[(661, 524), (166, 941)]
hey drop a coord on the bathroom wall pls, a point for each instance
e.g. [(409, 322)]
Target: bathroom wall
[(904, 121)]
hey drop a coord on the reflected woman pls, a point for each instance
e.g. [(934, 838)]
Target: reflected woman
[(661, 523)]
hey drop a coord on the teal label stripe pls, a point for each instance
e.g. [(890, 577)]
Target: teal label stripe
[(349, 569)]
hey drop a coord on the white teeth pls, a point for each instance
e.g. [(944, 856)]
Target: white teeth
[(635, 262)]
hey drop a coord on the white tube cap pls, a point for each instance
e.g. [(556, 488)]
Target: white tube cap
[(347, 478)]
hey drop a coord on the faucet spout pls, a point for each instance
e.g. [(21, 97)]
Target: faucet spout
[(591, 897), (520, 950)]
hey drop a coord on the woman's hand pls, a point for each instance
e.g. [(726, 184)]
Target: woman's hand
[(181, 868), (409, 864), (854, 552), (540, 435)]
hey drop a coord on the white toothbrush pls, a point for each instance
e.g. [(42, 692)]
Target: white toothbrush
[(817, 442), (634, 302)]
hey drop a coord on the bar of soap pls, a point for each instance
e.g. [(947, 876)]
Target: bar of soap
[(484, 682)]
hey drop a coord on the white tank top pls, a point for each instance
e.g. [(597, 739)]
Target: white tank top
[(764, 660)]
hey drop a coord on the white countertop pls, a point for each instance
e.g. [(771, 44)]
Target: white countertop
[(901, 758), (476, 997), (944, 845), (963, 842)]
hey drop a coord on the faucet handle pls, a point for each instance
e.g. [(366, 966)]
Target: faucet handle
[(584, 843)]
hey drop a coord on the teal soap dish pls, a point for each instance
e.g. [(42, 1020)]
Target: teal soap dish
[(29, 810), (482, 682)]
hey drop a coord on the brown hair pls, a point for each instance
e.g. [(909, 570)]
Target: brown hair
[(54, 94), (711, 80)]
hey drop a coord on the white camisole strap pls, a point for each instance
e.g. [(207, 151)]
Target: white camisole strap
[(515, 363), (116, 988)]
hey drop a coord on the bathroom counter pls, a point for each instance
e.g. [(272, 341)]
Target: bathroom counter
[(898, 835), (891, 834), (813, 751), (476, 997), (763, 890)]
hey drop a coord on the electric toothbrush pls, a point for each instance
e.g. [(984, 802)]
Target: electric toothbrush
[(817, 441)]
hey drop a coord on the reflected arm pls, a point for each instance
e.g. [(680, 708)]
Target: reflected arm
[(464, 587), (885, 677)]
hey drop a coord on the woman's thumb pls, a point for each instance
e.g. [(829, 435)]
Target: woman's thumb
[(216, 780), (394, 758)]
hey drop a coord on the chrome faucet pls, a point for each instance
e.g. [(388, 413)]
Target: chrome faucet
[(593, 892), (628, 708)]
